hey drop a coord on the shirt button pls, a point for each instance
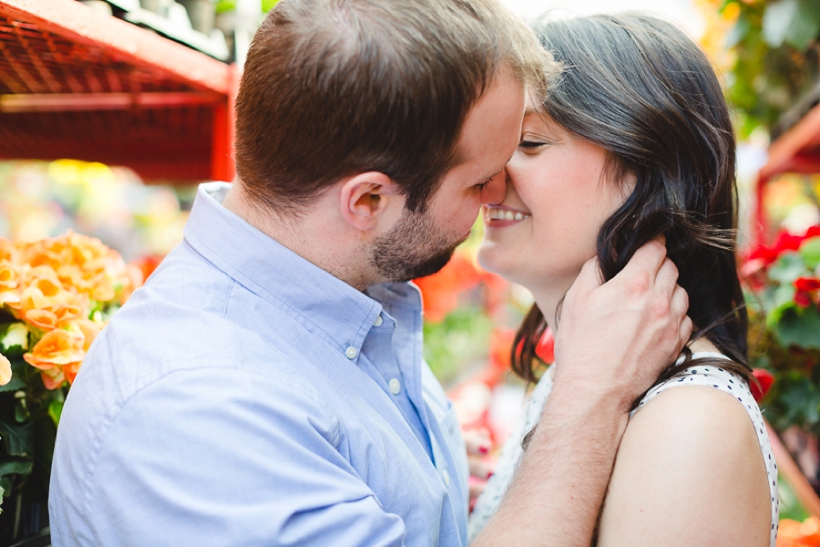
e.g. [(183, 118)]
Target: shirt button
[(351, 352), (378, 321), (445, 476), (395, 386)]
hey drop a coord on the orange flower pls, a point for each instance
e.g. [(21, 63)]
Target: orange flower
[(42, 290), (9, 275), (56, 351), (10, 279), (5, 370), (796, 534), (440, 291), (147, 265), (90, 330), (42, 319), (134, 278), (103, 290), (8, 250), (80, 263)]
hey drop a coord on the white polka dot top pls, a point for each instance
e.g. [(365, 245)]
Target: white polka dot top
[(709, 376)]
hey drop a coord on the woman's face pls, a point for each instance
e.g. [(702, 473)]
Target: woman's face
[(558, 196)]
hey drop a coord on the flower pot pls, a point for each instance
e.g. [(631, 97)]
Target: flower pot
[(201, 14)]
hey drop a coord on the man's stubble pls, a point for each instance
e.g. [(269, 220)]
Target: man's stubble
[(413, 248)]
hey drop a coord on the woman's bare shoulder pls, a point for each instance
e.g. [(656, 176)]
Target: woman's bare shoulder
[(689, 471)]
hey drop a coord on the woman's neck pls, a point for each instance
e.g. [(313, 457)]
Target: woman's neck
[(703, 345), (548, 297)]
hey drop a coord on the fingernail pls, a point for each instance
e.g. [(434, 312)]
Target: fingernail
[(484, 450), (490, 474)]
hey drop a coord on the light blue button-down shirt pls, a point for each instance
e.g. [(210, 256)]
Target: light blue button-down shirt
[(246, 397)]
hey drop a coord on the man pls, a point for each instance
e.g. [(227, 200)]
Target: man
[(266, 386)]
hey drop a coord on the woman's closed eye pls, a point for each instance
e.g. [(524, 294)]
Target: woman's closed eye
[(531, 144)]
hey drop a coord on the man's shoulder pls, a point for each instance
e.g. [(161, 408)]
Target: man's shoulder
[(137, 349)]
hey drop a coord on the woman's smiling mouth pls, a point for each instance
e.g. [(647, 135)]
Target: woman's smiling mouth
[(499, 216)]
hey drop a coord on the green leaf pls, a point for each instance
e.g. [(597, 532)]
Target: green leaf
[(223, 6), (55, 410), (737, 33), (799, 329), (21, 413), (15, 466), (794, 22), (797, 401), (802, 33), (788, 267), (782, 300), (14, 339), (810, 252), (18, 439), (777, 20), (14, 384)]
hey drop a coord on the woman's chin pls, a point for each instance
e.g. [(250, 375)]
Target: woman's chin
[(486, 258), (491, 260)]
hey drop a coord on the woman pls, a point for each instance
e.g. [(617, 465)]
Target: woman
[(635, 141)]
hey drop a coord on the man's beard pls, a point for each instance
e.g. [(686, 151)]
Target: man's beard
[(412, 249)]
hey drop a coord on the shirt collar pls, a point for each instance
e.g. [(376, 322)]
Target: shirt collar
[(324, 304)]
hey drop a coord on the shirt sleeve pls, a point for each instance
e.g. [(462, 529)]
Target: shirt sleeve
[(224, 457)]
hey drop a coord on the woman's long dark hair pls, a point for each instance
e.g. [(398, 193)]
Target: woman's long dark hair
[(641, 89)]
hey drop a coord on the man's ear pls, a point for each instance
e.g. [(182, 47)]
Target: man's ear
[(368, 197)]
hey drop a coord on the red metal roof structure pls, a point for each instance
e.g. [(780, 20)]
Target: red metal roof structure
[(796, 151), (76, 83)]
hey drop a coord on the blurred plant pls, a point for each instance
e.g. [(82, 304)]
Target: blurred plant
[(783, 284), (224, 6), (461, 303), (43, 199), (56, 295), (772, 55), (793, 533), (469, 315)]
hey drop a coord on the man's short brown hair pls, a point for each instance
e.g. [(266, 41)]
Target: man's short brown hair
[(332, 88)]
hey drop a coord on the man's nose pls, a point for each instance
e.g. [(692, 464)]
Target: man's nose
[(496, 190)]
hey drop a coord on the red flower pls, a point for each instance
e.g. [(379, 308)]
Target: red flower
[(785, 242), (440, 291), (545, 349), (807, 284), (148, 264), (765, 379), (802, 299)]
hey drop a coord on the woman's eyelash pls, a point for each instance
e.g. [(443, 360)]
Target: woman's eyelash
[(482, 185), (531, 144)]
